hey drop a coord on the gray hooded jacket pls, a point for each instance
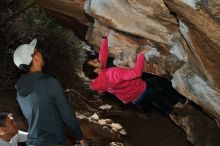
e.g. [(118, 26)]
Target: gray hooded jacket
[(46, 109)]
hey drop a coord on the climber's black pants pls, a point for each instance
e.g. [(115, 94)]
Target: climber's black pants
[(159, 93)]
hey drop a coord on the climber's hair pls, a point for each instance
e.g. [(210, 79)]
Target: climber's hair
[(3, 116), (89, 70)]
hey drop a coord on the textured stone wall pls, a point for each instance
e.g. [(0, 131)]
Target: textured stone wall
[(186, 33)]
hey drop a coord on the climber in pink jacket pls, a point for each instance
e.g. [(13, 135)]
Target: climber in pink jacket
[(125, 83), (117, 80)]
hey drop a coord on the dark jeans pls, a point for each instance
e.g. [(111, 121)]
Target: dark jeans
[(159, 93), (145, 100)]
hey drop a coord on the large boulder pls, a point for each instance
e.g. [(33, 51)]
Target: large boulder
[(186, 33), (202, 33)]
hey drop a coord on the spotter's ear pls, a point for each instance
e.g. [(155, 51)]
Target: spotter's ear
[(2, 131)]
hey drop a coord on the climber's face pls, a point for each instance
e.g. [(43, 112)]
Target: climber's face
[(96, 63)]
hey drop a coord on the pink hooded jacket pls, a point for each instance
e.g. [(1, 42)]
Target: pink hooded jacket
[(124, 83)]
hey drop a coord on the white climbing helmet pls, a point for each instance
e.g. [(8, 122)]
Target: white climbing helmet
[(23, 54)]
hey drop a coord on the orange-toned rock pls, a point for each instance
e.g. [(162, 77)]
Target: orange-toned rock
[(69, 12), (66, 8)]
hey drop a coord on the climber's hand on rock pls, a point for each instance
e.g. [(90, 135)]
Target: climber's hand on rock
[(152, 53), (106, 33), (144, 49)]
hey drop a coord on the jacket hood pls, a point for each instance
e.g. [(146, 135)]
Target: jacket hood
[(25, 83)]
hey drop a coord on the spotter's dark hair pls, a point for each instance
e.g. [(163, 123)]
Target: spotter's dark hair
[(3, 116)]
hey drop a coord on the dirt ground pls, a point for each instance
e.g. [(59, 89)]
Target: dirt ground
[(153, 129)]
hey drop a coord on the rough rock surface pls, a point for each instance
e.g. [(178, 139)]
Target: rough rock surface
[(213, 8), (185, 32), (68, 12), (193, 87), (202, 34), (190, 121), (136, 17), (66, 8)]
